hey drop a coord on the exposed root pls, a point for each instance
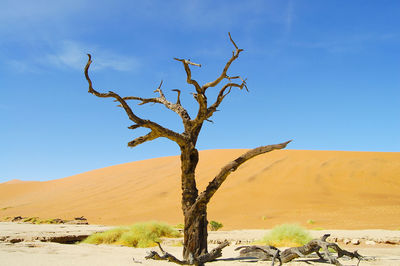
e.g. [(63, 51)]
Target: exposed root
[(211, 256)]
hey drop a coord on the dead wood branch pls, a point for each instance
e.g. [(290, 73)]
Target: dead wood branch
[(235, 55), (214, 185), (315, 245), (201, 260), (261, 252), (156, 129)]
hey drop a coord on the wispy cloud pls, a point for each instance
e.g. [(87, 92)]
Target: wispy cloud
[(72, 55), (348, 43), (289, 16)]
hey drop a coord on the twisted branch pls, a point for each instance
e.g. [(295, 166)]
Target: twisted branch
[(156, 129), (235, 55)]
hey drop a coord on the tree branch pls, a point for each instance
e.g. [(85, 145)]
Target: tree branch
[(235, 55), (142, 139), (189, 79), (176, 107), (214, 185), (222, 94), (178, 100), (156, 129)]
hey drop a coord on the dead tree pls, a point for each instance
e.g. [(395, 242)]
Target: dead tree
[(194, 204)]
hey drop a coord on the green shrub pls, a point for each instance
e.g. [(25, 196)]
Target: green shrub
[(214, 226), (287, 235), (180, 226), (139, 235), (310, 221)]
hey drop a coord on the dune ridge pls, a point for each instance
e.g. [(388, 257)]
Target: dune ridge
[(317, 189)]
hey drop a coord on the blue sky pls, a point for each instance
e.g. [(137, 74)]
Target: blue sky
[(324, 73)]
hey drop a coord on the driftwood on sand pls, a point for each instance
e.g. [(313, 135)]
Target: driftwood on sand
[(315, 245)]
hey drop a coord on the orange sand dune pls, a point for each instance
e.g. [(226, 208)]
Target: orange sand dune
[(335, 189)]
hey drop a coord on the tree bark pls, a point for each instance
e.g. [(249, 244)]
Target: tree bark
[(195, 230), (195, 234)]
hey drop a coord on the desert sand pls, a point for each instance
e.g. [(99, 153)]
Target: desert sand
[(324, 189), (317, 189), (35, 252)]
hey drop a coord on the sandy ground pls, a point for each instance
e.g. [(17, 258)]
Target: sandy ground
[(334, 189), (49, 254)]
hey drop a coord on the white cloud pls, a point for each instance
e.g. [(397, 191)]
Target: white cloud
[(72, 55)]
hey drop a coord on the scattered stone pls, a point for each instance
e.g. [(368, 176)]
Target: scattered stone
[(370, 242), (355, 241), (346, 241)]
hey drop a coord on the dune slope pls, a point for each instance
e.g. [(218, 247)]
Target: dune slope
[(334, 189)]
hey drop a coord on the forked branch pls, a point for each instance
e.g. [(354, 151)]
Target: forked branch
[(176, 107), (222, 94), (156, 129), (235, 55), (189, 79)]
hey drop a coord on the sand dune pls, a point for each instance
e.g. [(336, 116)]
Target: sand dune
[(335, 189)]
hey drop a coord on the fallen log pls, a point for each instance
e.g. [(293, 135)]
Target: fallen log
[(315, 245)]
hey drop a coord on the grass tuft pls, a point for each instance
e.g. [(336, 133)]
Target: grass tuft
[(215, 226), (180, 226), (139, 235), (287, 235)]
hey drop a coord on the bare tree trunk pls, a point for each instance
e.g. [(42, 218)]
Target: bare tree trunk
[(195, 231), (195, 234)]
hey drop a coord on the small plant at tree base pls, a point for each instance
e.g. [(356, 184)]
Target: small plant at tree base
[(287, 235), (215, 226)]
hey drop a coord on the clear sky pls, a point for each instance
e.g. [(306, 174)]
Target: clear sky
[(324, 73)]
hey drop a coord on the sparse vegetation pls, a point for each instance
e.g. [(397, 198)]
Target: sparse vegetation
[(287, 235), (37, 220), (215, 226), (179, 226), (139, 235), (310, 221), (318, 228), (32, 220)]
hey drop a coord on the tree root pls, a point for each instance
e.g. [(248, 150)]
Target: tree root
[(211, 256), (315, 245)]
